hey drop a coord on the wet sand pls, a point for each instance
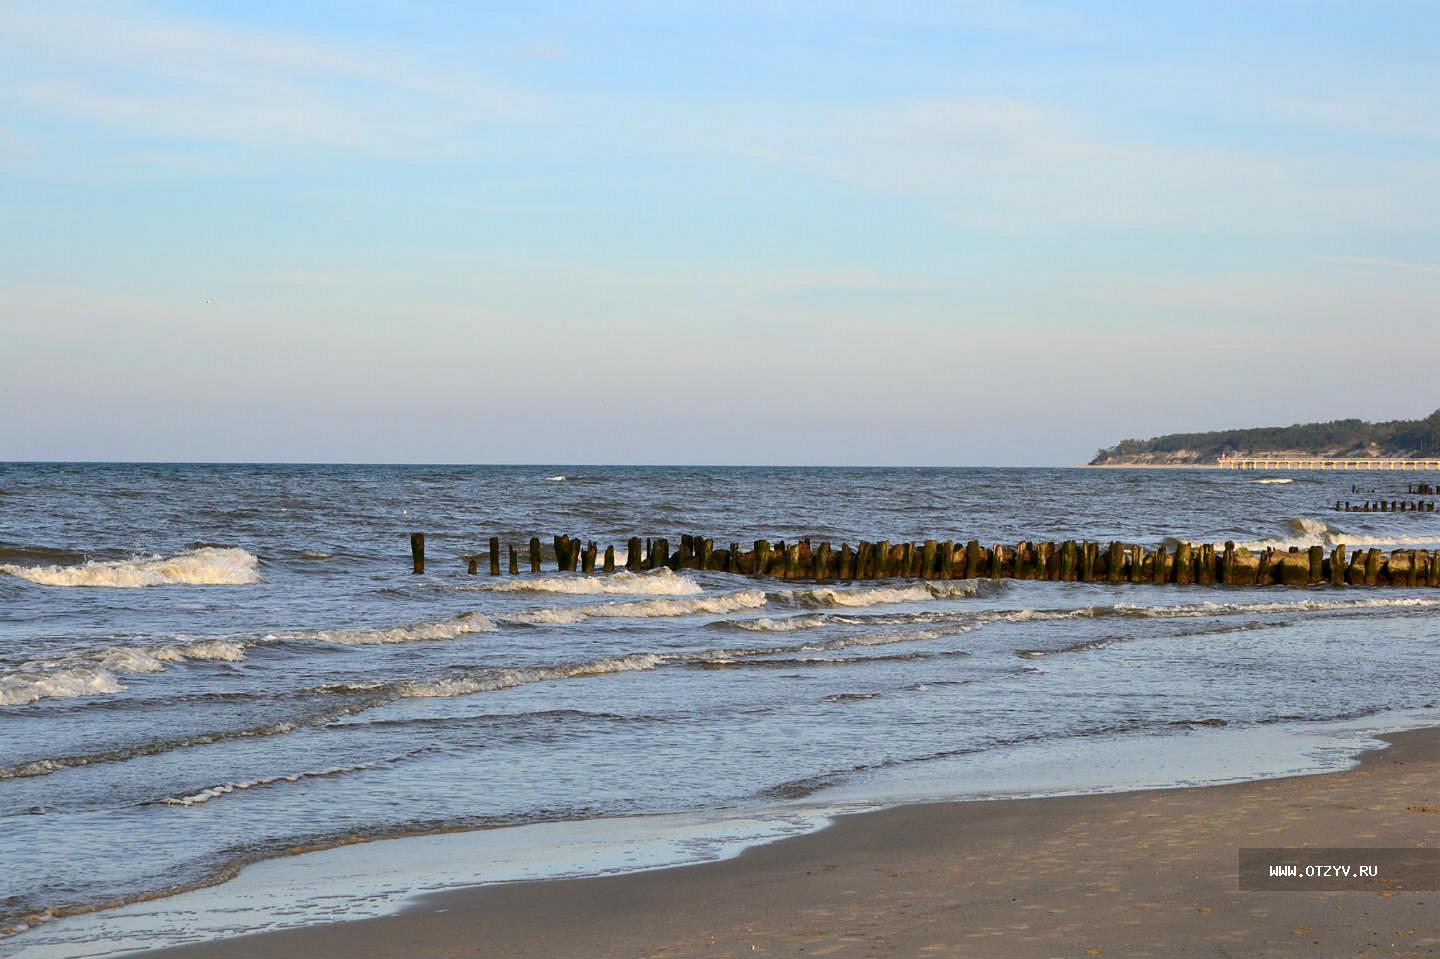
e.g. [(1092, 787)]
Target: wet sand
[(1149, 873)]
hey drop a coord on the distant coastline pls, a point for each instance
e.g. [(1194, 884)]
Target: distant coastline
[(1337, 439)]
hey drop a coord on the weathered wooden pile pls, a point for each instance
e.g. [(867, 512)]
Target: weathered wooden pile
[(1386, 506), (1069, 561), (1422, 489)]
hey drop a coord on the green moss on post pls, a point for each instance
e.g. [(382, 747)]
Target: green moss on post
[(1160, 566)]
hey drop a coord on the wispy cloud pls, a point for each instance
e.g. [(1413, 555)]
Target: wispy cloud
[(206, 81), (1386, 262)]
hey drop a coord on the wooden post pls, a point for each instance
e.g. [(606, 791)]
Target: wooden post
[(587, 565), (514, 561), (1184, 573), (1067, 561), (1263, 577), (997, 560), (732, 562), (882, 559), (1160, 572), (1355, 574), (845, 568), (1317, 565), (705, 548), (1044, 568), (494, 556), (534, 554), (762, 557), (974, 553), (472, 565), (609, 566), (1207, 565), (822, 562), (792, 561), (1137, 564), (1227, 564), (1115, 568), (1372, 567), (1337, 566), (945, 560), (417, 552), (928, 556), (660, 554), (634, 558)]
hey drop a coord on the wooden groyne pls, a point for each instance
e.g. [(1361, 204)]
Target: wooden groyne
[(1069, 561), (1386, 506)]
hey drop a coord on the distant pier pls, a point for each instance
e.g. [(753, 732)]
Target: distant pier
[(1282, 462)]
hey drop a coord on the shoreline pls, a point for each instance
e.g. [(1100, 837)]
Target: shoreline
[(1148, 871)]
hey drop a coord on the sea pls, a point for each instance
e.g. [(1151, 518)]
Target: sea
[(205, 667)]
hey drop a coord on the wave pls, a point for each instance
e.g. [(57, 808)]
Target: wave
[(1304, 532), (766, 624), (881, 595), (643, 609), (556, 479), (97, 672), (225, 789), (45, 766), (662, 582), (1272, 481), (206, 566), (462, 625), (491, 680)]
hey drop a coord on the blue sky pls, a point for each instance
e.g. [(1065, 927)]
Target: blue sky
[(791, 232)]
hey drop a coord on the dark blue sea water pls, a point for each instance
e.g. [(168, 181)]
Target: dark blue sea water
[(202, 666)]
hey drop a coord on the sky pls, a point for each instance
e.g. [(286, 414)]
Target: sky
[(989, 233)]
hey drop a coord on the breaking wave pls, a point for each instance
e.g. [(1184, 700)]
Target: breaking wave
[(225, 789), (97, 672), (1272, 481), (206, 566), (1303, 532), (881, 595), (662, 582), (642, 609), (766, 624), (462, 625)]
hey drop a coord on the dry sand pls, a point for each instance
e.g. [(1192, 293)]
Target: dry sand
[(1149, 873)]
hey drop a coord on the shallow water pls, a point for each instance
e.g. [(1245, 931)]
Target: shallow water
[(202, 666)]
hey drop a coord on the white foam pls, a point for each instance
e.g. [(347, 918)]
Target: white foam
[(496, 679), (94, 672), (462, 625), (882, 595), (225, 789), (206, 566), (767, 625), (643, 609), (1272, 481), (662, 582), (556, 479), (19, 689)]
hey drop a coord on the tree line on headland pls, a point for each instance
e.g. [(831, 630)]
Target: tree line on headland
[(1344, 438)]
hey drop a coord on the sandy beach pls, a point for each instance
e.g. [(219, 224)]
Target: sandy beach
[(1149, 873)]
